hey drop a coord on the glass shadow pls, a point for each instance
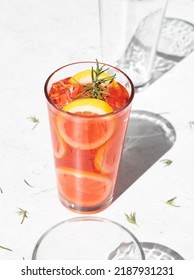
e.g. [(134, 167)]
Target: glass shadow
[(148, 138), (176, 42)]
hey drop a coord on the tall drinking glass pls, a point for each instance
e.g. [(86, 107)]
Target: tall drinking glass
[(87, 146), (130, 31)]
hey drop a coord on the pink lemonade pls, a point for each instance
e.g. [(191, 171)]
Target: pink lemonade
[(87, 144)]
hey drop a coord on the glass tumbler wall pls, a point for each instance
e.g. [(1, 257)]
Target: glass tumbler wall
[(87, 148), (130, 31)]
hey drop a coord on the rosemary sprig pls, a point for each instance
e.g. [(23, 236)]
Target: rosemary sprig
[(22, 213), (98, 89), (166, 162), (131, 218), (5, 248), (34, 120), (171, 202)]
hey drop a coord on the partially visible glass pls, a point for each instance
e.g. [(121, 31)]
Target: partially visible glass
[(88, 238), (130, 30), (87, 148)]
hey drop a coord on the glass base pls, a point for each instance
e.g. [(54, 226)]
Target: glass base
[(87, 238), (85, 209)]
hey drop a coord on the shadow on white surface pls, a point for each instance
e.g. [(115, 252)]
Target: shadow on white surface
[(149, 137)]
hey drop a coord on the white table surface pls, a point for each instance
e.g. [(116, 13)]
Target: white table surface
[(36, 38)]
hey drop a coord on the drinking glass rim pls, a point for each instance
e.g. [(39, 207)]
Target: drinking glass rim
[(93, 116), (87, 218)]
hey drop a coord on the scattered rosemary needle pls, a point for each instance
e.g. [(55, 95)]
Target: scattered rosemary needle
[(22, 213), (166, 162), (1, 190), (191, 124), (131, 218), (171, 202), (34, 120), (5, 248), (28, 184)]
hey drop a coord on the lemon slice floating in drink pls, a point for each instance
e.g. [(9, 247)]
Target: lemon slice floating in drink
[(85, 77), (86, 133), (88, 106)]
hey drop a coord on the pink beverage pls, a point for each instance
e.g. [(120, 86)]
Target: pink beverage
[(88, 132)]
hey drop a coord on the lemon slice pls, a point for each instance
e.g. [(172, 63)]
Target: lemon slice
[(83, 188), (85, 77), (88, 106), (86, 133), (59, 146)]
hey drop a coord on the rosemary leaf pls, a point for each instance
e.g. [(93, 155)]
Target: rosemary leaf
[(1, 190), (131, 218), (191, 124), (166, 162), (34, 120), (171, 202), (5, 248), (28, 184), (22, 213)]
